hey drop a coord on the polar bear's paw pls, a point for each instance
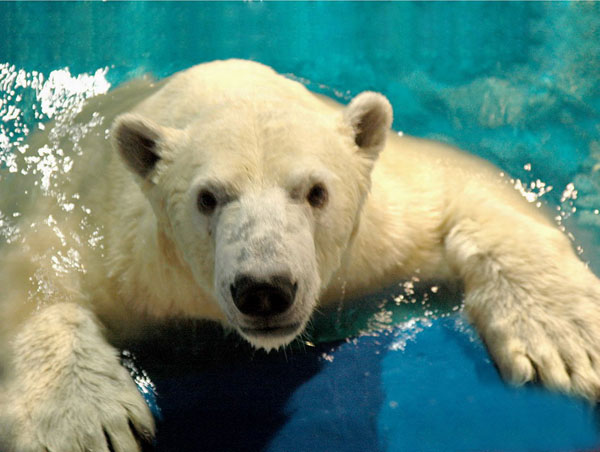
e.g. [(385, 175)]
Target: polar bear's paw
[(101, 414), (560, 350), (67, 390)]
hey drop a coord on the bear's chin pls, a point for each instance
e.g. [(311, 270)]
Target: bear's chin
[(271, 338)]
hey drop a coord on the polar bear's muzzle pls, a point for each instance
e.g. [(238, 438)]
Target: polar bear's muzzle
[(266, 273)]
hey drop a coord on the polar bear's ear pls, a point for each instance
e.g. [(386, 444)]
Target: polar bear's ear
[(370, 115), (137, 141)]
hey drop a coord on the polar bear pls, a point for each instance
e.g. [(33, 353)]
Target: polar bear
[(234, 194)]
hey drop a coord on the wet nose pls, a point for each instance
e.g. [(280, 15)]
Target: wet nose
[(263, 298)]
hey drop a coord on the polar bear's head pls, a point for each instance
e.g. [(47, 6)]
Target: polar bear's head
[(261, 198)]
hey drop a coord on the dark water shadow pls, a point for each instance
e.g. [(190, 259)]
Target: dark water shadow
[(215, 392)]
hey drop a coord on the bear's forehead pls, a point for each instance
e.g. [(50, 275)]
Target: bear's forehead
[(273, 142), (275, 162), (263, 113), (263, 131)]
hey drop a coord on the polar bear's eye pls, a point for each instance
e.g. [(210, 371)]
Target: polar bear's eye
[(317, 196), (207, 202)]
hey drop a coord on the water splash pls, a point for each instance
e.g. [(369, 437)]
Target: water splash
[(142, 381), (39, 138), (28, 100), (408, 331)]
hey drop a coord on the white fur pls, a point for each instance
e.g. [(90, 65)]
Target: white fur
[(140, 248), (264, 234), (69, 387)]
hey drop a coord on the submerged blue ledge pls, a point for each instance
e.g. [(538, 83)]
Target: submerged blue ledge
[(430, 386)]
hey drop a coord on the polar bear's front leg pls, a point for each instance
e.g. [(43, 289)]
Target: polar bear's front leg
[(68, 392), (535, 304)]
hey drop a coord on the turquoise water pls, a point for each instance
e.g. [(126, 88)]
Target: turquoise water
[(513, 82), (516, 83)]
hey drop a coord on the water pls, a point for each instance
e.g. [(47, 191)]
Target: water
[(516, 83)]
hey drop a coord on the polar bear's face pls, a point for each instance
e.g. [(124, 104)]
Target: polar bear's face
[(261, 200)]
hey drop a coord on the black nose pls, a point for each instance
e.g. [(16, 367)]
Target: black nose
[(263, 298)]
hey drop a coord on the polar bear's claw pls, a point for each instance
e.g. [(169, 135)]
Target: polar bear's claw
[(553, 353)]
